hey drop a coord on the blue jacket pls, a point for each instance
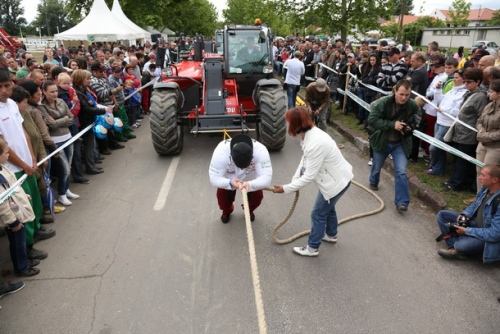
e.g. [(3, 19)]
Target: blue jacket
[(490, 232)]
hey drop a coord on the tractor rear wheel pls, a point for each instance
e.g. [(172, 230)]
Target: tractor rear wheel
[(167, 135), (272, 128)]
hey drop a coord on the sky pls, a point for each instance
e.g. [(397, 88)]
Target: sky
[(30, 6)]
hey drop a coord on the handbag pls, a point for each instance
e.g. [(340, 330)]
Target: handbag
[(448, 137)]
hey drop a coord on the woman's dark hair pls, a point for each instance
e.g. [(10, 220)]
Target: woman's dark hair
[(475, 74), (82, 63), (73, 61), (460, 51), (495, 85), (298, 121), (30, 86), (47, 84), (19, 94), (368, 66)]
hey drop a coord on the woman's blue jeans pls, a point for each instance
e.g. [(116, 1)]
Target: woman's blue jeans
[(324, 218), (62, 167)]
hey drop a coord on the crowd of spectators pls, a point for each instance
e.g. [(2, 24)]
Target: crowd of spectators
[(44, 103)]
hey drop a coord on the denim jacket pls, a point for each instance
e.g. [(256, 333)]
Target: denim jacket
[(490, 232)]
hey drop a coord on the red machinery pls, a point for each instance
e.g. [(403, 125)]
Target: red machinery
[(212, 91), (8, 42)]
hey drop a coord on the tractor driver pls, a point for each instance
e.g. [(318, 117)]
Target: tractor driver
[(250, 52), (237, 164)]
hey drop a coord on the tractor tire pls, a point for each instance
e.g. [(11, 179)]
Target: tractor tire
[(272, 128), (167, 135)]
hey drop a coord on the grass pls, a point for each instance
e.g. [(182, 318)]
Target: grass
[(454, 199)]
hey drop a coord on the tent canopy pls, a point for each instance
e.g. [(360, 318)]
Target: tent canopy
[(118, 13), (100, 25)]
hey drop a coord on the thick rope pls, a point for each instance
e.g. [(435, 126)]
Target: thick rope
[(304, 233), (255, 270)]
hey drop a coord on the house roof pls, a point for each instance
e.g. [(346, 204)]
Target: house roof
[(480, 14), (406, 20)]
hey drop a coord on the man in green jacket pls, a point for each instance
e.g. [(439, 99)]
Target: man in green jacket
[(392, 120)]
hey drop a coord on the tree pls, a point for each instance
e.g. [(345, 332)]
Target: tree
[(459, 13), (191, 17), (52, 18), (11, 16), (495, 19), (397, 6), (413, 31)]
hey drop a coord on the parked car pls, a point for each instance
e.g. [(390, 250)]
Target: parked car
[(488, 44)]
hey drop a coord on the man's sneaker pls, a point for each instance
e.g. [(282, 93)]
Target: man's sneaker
[(34, 253), (330, 239), (71, 195), (401, 208), (451, 254), (28, 272), (33, 263), (225, 218), (12, 288), (63, 199), (306, 251), (44, 234), (373, 187), (370, 162), (46, 219)]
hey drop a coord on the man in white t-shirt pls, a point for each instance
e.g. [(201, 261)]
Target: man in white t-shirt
[(295, 69), (21, 161), (237, 164)]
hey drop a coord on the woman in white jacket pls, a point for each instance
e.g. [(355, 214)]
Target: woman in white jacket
[(323, 164)]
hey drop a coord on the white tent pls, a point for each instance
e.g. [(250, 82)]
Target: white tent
[(100, 25), (118, 13)]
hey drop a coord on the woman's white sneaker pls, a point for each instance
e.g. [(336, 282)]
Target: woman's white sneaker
[(64, 200), (69, 194)]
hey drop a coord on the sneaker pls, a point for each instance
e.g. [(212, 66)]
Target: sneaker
[(401, 208), (46, 218), (390, 156), (58, 209), (451, 254), (28, 272), (469, 201), (134, 126), (373, 187), (370, 162), (306, 251), (83, 181), (34, 253), (330, 239), (33, 263), (63, 199), (71, 195), (12, 288), (43, 235)]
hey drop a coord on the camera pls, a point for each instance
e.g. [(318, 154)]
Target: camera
[(407, 130), (463, 221)]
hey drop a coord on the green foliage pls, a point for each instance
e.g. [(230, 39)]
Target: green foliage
[(52, 17), (413, 31), (191, 17), (11, 16), (495, 20), (459, 13), (397, 6), (390, 30)]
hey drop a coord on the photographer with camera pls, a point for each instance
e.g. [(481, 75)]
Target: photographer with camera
[(391, 122), (317, 100), (477, 228)]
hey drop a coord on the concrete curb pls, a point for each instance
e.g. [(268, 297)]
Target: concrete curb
[(426, 195)]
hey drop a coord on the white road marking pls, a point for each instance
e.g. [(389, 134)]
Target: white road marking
[(167, 183)]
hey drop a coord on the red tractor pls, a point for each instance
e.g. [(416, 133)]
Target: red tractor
[(221, 86)]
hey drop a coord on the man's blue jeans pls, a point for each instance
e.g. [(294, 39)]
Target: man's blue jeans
[(438, 156), (464, 244), (324, 218), (402, 196), (291, 93)]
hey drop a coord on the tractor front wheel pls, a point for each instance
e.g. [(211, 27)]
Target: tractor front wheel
[(272, 128), (167, 135)]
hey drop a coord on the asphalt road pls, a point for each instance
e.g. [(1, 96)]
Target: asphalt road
[(122, 263)]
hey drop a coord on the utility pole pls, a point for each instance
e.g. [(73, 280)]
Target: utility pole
[(401, 18)]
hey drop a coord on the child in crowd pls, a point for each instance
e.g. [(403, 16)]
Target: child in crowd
[(15, 210), (132, 104), (147, 76)]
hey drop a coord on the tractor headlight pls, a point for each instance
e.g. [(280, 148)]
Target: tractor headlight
[(167, 71)]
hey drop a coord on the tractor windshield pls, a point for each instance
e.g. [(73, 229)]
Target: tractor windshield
[(248, 51)]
